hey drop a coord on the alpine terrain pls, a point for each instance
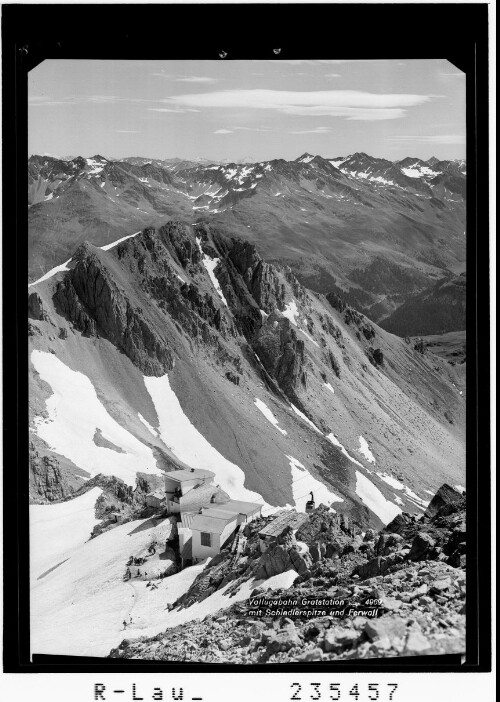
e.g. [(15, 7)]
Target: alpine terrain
[(186, 318)]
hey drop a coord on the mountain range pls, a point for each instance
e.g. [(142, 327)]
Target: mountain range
[(386, 236)]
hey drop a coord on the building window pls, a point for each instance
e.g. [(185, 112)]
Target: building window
[(206, 538)]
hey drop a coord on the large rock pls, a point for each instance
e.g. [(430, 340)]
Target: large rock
[(400, 523), (444, 496), (421, 546)]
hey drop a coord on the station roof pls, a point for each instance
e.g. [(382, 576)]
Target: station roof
[(239, 507), (184, 475)]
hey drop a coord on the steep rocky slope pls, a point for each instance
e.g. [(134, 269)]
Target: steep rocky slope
[(178, 346)]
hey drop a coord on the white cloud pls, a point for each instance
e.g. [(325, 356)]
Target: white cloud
[(176, 110), (196, 79), (127, 131), (317, 130), (430, 138), (223, 131), (352, 104)]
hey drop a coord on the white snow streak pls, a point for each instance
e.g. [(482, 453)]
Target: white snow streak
[(268, 415), (327, 385), (306, 419), (210, 265), (107, 247), (147, 424)]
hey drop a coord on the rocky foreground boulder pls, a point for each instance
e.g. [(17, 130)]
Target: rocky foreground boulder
[(413, 570)]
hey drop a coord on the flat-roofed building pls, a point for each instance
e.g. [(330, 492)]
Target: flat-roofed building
[(245, 511), (210, 531)]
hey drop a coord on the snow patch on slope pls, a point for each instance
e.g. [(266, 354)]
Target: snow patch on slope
[(75, 413), (268, 415), (364, 450), (374, 499), (291, 312)]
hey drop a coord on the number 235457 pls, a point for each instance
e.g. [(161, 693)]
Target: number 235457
[(372, 692)]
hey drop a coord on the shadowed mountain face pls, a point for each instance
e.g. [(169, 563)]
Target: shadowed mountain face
[(377, 232), (180, 346)]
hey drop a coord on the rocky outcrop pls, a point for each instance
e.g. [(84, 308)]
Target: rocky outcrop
[(35, 307), (446, 495), (46, 480), (95, 304), (281, 353)]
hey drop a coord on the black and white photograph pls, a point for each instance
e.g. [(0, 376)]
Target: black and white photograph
[(247, 359)]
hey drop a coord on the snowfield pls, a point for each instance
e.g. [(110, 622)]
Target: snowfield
[(374, 500), (78, 608), (75, 413), (190, 446), (57, 530), (268, 415), (329, 387), (303, 483)]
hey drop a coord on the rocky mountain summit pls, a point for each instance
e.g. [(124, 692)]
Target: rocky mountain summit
[(413, 570)]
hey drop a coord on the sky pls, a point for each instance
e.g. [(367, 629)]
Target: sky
[(247, 110)]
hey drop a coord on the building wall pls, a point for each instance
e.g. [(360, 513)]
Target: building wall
[(200, 552)]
